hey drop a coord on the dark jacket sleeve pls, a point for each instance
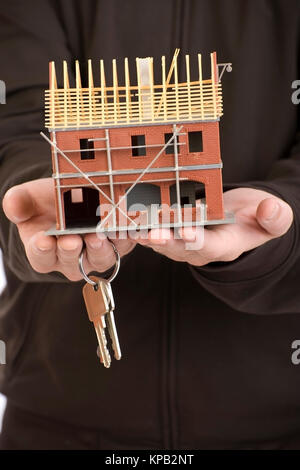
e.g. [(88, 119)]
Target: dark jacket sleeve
[(30, 36), (263, 281)]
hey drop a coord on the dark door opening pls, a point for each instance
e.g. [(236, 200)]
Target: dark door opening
[(187, 193), (81, 211), (144, 193), (200, 191), (145, 198)]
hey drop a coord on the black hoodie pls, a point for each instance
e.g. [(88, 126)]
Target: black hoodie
[(207, 352)]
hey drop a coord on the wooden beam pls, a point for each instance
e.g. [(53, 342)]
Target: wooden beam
[(103, 90), (188, 81), (167, 81), (66, 95), (52, 76), (116, 92), (91, 92), (176, 88), (164, 88), (53, 88), (151, 79), (138, 73), (201, 85), (214, 81), (78, 92), (127, 90)]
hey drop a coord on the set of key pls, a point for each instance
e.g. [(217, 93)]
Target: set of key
[(100, 307)]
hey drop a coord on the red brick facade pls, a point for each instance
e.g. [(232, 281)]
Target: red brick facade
[(123, 160)]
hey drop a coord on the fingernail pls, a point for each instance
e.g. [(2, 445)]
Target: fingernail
[(190, 237), (275, 211), (40, 245), (96, 244), (70, 245), (40, 248), (16, 220), (187, 235), (6, 201), (43, 247)]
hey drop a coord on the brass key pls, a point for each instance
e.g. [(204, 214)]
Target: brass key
[(99, 301), (98, 304)]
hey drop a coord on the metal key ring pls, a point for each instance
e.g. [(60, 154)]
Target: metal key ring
[(114, 273)]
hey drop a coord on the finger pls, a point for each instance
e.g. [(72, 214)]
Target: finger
[(177, 242), (188, 234), (193, 238), (99, 251), (18, 205), (124, 246), (100, 254), (41, 252), (68, 251), (228, 242), (163, 241), (275, 216), (155, 237)]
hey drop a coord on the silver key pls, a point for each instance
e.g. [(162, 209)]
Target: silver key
[(111, 323), (100, 304)]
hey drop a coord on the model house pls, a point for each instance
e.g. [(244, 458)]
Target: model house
[(128, 155)]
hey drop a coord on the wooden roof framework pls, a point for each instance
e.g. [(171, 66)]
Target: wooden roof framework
[(140, 104)]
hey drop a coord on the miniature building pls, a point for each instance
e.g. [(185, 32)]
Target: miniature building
[(120, 150)]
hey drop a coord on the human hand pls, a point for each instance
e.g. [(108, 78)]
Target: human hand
[(259, 215), (31, 207)]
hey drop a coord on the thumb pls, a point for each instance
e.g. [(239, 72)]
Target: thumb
[(18, 204), (275, 216)]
